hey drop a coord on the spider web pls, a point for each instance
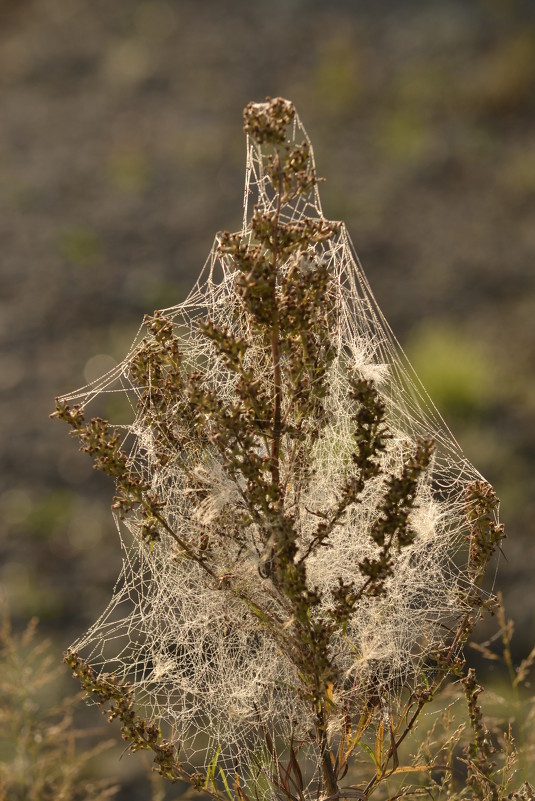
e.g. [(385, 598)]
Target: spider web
[(200, 663)]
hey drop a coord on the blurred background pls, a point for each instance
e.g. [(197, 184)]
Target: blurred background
[(121, 155)]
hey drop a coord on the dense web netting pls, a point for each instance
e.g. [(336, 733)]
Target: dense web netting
[(200, 663)]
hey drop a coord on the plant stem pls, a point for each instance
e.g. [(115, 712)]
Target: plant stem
[(275, 348), (329, 778)]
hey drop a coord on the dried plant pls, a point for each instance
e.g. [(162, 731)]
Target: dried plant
[(40, 759), (304, 542)]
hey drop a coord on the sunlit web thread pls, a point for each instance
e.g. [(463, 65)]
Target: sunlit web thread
[(199, 662)]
